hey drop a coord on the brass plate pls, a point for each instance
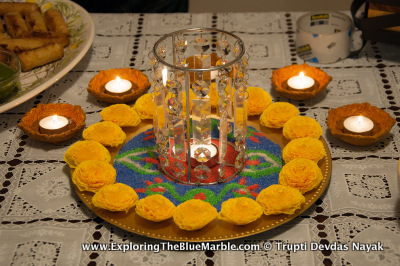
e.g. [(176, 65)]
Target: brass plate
[(217, 230)]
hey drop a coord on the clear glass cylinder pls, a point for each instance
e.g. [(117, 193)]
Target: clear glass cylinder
[(196, 71)]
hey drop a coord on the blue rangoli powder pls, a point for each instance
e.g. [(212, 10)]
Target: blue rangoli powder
[(137, 166)]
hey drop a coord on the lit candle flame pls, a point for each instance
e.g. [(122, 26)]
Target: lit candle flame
[(301, 75), (360, 119), (54, 119)]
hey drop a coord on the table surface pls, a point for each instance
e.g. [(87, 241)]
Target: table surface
[(43, 222)]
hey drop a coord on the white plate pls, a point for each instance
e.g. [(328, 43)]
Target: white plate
[(37, 80)]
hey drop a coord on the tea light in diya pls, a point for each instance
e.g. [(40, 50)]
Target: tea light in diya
[(118, 87), (358, 125), (301, 83), (54, 124)]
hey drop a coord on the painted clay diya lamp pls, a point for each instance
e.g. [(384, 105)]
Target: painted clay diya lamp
[(53, 122), (359, 124), (300, 82), (119, 85)]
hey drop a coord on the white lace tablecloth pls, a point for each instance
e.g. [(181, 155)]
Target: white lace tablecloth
[(42, 222)]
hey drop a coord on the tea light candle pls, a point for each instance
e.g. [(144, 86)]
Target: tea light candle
[(359, 125), (213, 149), (118, 87), (301, 82), (54, 124), (213, 155)]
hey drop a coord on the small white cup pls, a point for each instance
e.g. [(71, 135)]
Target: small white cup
[(324, 36)]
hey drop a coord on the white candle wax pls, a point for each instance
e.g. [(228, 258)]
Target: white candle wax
[(214, 74), (358, 124), (53, 122), (300, 82), (118, 85)]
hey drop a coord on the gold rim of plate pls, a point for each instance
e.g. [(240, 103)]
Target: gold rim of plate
[(217, 230)]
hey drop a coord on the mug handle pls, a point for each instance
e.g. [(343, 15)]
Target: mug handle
[(355, 6)]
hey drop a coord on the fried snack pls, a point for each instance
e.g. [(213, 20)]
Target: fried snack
[(55, 22), (40, 56), (20, 45), (23, 8), (15, 24), (36, 39), (35, 22), (4, 36)]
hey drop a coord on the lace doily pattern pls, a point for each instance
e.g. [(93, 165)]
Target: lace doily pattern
[(42, 221)]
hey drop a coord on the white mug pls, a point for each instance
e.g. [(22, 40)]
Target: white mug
[(324, 36)]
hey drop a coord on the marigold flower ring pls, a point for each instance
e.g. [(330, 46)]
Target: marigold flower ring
[(277, 199), (301, 127), (194, 214), (302, 174), (277, 114), (121, 114), (106, 133), (91, 175), (144, 106), (115, 197), (309, 148), (86, 150), (155, 208), (240, 211), (258, 99)]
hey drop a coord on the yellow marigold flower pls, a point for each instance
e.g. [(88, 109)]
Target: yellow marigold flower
[(277, 114), (194, 214), (86, 150), (106, 132), (115, 197), (277, 199), (121, 114), (91, 175), (301, 127), (144, 106), (155, 208), (302, 174), (240, 211), (308, 148), (258, 100), (214, 95), (192, 96)]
